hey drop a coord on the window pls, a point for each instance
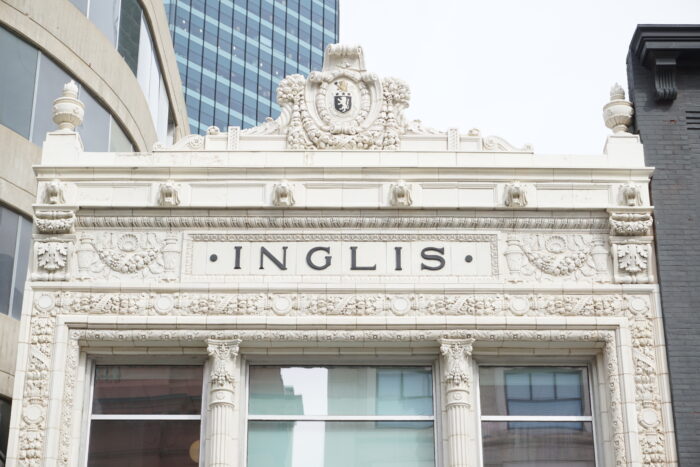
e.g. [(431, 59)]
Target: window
[(16, 235), (331, 416), (145, 415), (536, 416), (5, 407), (34, 81)]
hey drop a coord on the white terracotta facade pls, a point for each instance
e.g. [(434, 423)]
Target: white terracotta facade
[(383, 241)]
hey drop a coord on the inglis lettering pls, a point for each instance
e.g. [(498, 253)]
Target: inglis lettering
[(213, 258)]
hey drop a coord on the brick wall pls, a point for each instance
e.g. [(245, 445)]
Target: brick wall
[(671, 136)]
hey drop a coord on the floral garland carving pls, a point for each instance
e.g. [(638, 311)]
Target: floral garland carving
[(128, 262)]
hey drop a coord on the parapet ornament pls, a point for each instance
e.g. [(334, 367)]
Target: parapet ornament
[(68, 111), (341, 107), (618, 112)]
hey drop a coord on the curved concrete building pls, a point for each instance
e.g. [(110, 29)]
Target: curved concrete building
[(120, 54)]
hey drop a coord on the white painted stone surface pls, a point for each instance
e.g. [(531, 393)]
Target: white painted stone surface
[(562, 272)]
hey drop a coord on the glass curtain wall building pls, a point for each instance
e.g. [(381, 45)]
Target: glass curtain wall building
[(232, 54)]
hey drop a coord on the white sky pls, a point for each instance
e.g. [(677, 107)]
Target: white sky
[(530, 71)]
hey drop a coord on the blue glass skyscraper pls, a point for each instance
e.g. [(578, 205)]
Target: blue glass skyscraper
[(232, 54)]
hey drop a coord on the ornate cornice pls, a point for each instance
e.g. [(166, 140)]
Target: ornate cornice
[(344, 222)]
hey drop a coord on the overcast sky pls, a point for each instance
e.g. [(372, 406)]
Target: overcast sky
[(530, 71)]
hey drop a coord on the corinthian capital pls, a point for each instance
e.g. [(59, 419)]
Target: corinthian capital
[(455, 357), (223, 354)]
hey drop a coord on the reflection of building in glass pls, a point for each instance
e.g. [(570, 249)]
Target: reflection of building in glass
[(124, 67), (233, 54)]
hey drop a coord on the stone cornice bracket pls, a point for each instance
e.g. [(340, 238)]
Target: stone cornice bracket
[(662, 49), (283, 195), (221, 423), (665, 78), (400, 194), (630, 222), (55, 221)]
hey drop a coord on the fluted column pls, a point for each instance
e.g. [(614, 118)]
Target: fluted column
[(456, 364), (221, 421)]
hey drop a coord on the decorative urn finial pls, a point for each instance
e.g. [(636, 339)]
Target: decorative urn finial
[(618, 112), (68, 110)]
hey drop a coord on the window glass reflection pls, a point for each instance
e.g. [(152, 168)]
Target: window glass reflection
[(539, 444), (141, 443), (105, 15), (15, 233), (17, 76), (4, 429), (148, 389), (49, 86), (546, 391), (340, 444), (345, 390)]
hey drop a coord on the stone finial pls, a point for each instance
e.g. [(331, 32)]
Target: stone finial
[(618, 112), (283, 195), (617, 93), (213, 130), (68, 110), (401, 194)]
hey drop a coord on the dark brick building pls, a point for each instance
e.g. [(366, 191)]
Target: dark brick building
[(663, 69)]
